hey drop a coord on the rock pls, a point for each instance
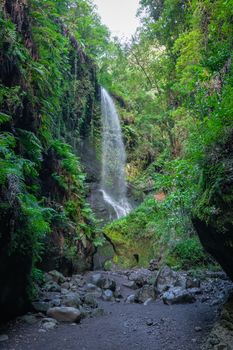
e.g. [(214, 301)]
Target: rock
[(48, 319), (29, 319), (95, 279), (130, 284), (65, 314), (153, 265), (145, 293), (198, 329), (107, 283), (41, 330), (167, 278), (150, 322), (117, 292), (57, 276), (4, 337), (71, 299), (140, 277), (195, 291), (41, 306), (64, 291), (90, 287), (103, 282), (130, 299), (108, 295), (49, 325), (52, 286), (221, 336), (177, 295), (97, 312), (147, 301), (66, 285), (192, 282), (90, 300), (56, 302)]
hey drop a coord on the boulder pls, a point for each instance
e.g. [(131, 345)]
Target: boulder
[(90, 287), (41, 306), (95, 279), (90, 300), (167, 278), (178, 295), (130, 284), (48, 323), (130, 299), (29, 319), (65, 314), (52, 286), (108, 295), (145, 293), (117, 292), (140, 277), (153, 265), (72, 299), (57, 276), (106, 283)]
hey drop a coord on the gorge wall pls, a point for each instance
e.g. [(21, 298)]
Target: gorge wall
[(48, 95)]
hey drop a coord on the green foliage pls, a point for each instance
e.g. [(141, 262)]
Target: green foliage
[(176, 79), (189, 253)]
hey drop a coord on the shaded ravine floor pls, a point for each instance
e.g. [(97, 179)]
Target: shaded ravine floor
[(123, 326)]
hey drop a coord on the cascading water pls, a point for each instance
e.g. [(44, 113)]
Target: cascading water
[(113, 184)]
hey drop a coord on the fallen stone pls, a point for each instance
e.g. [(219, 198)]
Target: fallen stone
[(90, 287), (107, 283), (48, 319), (177, 295), (65, 314), (57, 276), (90, 300), (29, 319), (95, 279), (72, 299), (150, 322), (147, 301), (97, 312), (108, 295), (166, 278), (66, 285), (140, 277), (130, 284), (49, 325), (153, 265), (145, 293), (130, 299), (52, 286), (41, 306), (117, 292)]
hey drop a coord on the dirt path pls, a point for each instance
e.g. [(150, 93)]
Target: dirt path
[(123, 326)]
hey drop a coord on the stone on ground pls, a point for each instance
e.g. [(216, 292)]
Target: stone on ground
[(64, 314)]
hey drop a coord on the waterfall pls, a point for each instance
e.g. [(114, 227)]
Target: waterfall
[(113, 183)]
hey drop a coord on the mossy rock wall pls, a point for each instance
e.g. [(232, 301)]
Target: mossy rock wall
[(213, 217)]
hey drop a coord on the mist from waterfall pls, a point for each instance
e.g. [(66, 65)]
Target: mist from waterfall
[(113, 183)]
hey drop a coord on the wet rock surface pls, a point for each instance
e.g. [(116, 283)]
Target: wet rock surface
[(131, 309)]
